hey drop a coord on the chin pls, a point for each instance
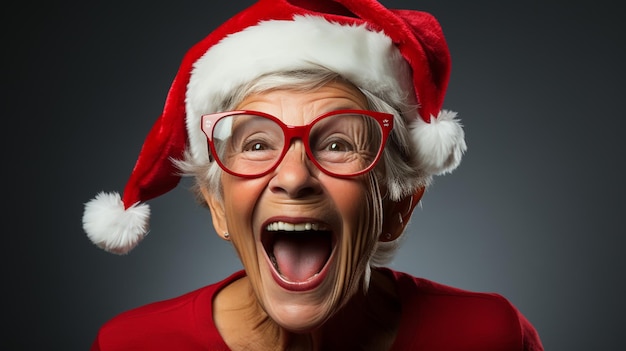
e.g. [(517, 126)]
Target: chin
[(301, 319), (301, 310)]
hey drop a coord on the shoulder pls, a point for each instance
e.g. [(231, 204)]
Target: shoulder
[(437, 311), (183, 320)]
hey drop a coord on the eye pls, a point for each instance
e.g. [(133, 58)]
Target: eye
[(337, 145), (254, 145)]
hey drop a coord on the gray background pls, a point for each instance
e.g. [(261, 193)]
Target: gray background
[(535, 211)]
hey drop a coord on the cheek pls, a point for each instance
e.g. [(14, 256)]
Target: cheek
[(240, 199), (356, 203), (359, 210), (350, 200), (360, 221)]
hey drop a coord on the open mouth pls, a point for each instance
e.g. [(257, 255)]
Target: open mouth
[(298, 252)]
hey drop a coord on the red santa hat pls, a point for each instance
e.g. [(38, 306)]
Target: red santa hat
[(400, 56)]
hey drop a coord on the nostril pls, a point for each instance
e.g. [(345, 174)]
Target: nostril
[(294, 187), (296, 181), (306, 191)]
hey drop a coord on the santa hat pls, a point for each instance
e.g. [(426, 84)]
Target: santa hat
[(398, 55)]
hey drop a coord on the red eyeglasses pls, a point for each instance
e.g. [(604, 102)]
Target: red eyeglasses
[(343, 143)]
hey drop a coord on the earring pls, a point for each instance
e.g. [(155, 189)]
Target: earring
[(226, 236)]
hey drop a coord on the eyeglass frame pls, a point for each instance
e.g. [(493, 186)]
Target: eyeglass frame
[(290, 132)]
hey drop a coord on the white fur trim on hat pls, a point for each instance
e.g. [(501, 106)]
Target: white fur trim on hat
[(113, 228), (440, 144), (367, 58)]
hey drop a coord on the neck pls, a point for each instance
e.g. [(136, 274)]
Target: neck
[(368, 322)]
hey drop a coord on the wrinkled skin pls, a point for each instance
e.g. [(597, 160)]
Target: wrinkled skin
[(256, 312)]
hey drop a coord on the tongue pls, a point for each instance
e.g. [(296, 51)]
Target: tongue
[(299, 256)]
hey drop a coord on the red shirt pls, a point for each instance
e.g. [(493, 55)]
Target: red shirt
[(434, 317)]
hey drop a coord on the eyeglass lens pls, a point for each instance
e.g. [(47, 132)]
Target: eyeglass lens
[(342, 144)]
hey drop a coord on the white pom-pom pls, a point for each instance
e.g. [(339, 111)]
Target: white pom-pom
[(113, 228), (440, 144)]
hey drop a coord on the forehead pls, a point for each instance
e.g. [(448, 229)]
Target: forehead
[(311, 101)]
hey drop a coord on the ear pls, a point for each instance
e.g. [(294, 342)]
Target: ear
[(397, 214), (217, 212)]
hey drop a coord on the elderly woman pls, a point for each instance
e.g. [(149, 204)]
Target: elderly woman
[(312, 129)]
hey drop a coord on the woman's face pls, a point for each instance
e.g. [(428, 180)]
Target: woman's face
[(304, 237)]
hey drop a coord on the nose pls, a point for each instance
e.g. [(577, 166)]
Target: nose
[(296, 175)]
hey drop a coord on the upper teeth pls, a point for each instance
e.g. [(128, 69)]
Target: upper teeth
[(292, 227)]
